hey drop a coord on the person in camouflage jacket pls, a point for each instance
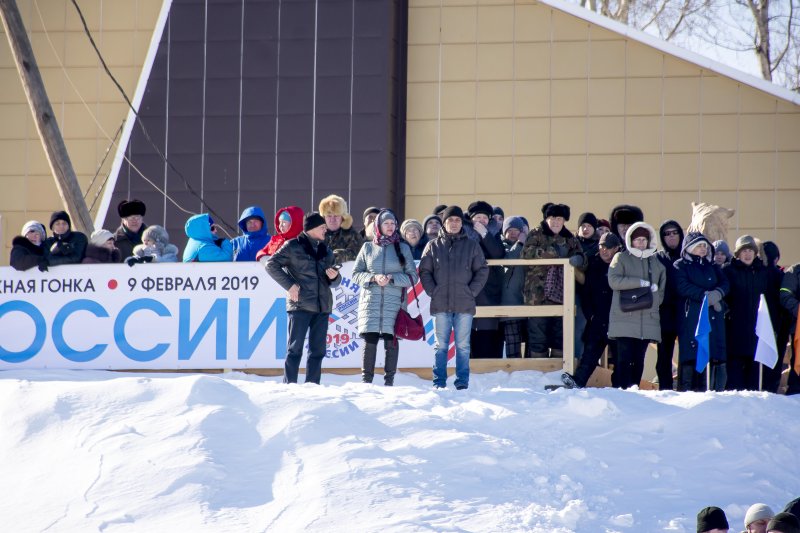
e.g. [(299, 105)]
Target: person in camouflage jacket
[(551, 240), (340, 235)]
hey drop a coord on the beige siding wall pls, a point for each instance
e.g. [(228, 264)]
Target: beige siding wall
[(88, 106), (519, 104)]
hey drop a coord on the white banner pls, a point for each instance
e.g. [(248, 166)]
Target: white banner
[(170, 316)]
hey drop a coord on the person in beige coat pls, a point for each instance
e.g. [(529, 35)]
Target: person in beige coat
[(635, 267)]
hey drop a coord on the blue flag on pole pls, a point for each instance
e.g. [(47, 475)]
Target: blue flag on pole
[(701, 336)]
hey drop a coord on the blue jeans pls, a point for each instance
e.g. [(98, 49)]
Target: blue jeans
[(461, 325)]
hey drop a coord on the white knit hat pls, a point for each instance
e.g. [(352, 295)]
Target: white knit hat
[(34, 225), (100, 237), (757, 511)]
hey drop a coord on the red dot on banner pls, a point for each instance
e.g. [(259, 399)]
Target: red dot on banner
[(112, 284)]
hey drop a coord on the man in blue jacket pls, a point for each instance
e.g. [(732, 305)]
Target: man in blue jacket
[(253, 224)]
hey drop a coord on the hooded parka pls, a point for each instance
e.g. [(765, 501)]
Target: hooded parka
[(627, 270)]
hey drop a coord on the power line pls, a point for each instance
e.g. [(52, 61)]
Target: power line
[(139, 121)]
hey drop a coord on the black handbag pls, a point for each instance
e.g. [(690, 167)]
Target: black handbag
[(638, 298)]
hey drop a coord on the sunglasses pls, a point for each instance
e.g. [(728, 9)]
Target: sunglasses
[(671, 232)]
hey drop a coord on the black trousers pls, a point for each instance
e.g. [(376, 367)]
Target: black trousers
[(300, 323), (594, 344), (666, 348), (794, 379), (742, 374), (630, 361)]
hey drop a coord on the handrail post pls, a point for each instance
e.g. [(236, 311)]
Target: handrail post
[(568, 325)]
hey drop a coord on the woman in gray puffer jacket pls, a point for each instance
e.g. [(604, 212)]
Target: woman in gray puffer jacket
[(383, 269), (636, 266)]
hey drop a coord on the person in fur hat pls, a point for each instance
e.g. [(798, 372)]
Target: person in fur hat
[(698, 277), (545, 284), (487, 336), (156, 246), (27, 250), (129, 232), (340, 235), (65, 247), (101, 248), (623, 217)]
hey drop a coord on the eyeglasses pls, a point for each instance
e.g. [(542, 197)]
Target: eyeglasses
[(133, 218), (671, 232)]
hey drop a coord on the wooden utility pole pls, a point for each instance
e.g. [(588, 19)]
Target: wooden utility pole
[(50, 135)]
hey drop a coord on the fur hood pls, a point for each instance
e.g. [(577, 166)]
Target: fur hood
[(652, 244), (336, 205)]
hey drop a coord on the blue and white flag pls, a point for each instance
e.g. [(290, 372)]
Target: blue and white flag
[(767, 348), (701, 334)]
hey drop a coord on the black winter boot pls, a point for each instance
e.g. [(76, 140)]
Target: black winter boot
[(390, 365), (368, 362)]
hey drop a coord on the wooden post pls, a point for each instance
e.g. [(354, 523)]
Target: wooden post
[(50, 135)]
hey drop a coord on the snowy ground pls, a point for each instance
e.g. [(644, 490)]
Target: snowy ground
[(101, 451)]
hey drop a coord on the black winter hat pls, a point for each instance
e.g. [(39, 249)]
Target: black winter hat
[(133, 207), (555, 210), (785, 523), (772, 252), (480, 207), (609, 240), (499, 211), (60, 215), (587, 218), (452, 211), (369, 211), (626, 214), (313, 220), (711, 518), (438, 209)]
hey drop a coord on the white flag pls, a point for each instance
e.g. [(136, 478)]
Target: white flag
[(766, 350)]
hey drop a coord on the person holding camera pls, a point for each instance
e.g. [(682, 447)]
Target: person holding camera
[(305, 268), (204, 245), (64, 247)]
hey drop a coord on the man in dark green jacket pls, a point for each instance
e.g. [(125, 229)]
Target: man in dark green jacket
[(453, 270), (304, 267)]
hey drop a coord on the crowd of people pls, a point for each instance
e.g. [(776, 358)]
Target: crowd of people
[(635, 284), (759, 518)]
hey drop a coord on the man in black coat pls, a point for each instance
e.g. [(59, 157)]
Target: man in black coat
[(65, 247), (596, 297), (129, 232), (671, 236), (790, 300), (486, 339), (453, 271), (304, 267), (748, 280)]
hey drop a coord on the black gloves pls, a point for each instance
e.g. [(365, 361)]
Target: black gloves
[(43, 264), (132, 260)]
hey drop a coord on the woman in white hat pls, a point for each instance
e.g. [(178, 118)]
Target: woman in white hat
[(27, 250)]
